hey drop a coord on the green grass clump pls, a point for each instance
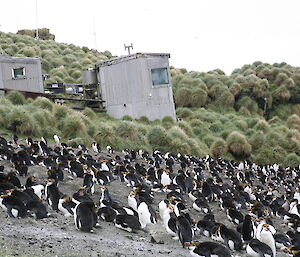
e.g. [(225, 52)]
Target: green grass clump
[(292, 160), (238, 145), (61, 111), (16, 98), (73, 127), (127, 117), (157, 137), (105, 134), (218, 148), (127, 130), (88, 112), (262, 125), (44, 103), (20, 121)]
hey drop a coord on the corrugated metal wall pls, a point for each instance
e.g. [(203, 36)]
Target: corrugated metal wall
[(127, 89), (33, 81)]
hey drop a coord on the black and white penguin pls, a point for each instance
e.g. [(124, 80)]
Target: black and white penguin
[(107, 213), (96, 147), (146, 213), (127, 222), (13, 206), (205, 227), (201, 204), (81, 196), (234, 216), (208, 249), (282, 241), (229, 237), (133, 200), (66, 206), (256, 248), (184, 230), (265, 234), (85, 217), (37, 209), (247, 228), (89, 181), (52, 194)]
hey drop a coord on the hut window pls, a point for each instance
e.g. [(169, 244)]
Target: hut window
[(160, 76), (18, 73)]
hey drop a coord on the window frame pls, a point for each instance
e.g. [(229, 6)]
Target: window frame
[(20, 77), (163, 84)]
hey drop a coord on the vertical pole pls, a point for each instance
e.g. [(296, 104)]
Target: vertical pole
[(95, 36), (36, 19)]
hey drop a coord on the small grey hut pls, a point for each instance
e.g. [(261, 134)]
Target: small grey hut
[(136, 85), (21, 74)]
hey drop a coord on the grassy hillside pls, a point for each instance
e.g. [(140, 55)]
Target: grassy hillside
[(251, 114), (63, 62)]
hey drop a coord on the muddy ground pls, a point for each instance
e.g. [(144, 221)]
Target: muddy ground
[(57, 235)]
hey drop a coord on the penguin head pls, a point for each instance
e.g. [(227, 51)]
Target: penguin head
[(67, 198)]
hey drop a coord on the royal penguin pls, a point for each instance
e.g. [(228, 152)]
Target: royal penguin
[(282, 241), (96, 147), (205, 227), (201, 205), (146, 213), (57, 140), (81, 196), (107, 213), (66, 205), (89, 181), (52, 194), (37, 209), (256, 248), (85, 217), (163, 207), (234, 216), (127, 222), (208, 249), (229, 237), (184, 230), (169, 220), (13, 206), (133, 200), (247, 228), (265, 234)]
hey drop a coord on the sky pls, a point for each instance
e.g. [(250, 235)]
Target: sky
[(200, 35)]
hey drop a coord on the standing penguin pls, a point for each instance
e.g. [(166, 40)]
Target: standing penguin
[(265, 234), (146, 213), (52, 194), (184, 230), (85, 217), (247, 229), (89, 181)]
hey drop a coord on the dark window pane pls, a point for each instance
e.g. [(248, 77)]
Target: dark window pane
[(160, 76), (19, 73)]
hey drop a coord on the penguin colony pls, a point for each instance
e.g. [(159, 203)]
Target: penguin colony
[(251, 196)]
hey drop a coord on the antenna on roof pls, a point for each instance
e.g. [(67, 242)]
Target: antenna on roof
[(95, 36), (36, 20), (128, 48)]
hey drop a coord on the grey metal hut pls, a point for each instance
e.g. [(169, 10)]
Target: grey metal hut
[(21, 74), (136, 85)]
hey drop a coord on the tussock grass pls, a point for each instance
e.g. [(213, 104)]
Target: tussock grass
[(238, 145), (16, 98)]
